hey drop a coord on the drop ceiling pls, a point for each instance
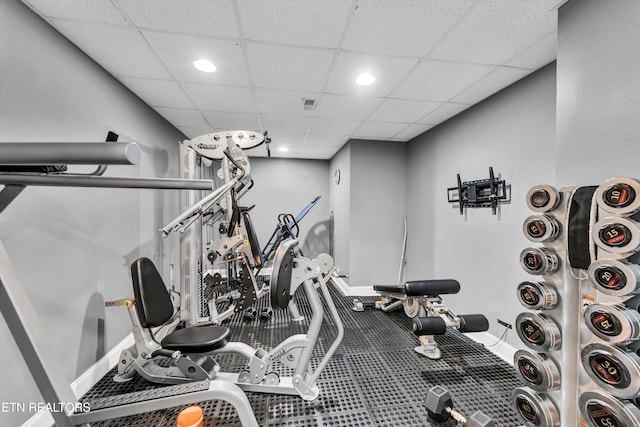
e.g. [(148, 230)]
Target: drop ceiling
[(432, 59)]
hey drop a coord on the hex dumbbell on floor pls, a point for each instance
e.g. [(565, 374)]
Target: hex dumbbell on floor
[(440, 408)]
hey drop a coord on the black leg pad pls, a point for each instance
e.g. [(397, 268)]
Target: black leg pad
[(431, 287), (473, 323), (429, 325)]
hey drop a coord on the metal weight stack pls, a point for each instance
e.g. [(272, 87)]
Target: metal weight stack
[(538, 404), (609, 350)]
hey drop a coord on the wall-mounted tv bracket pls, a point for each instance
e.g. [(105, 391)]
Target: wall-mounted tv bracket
[(482, 193)]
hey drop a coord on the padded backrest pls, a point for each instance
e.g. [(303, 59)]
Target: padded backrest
[(153, 302), (258, 260)]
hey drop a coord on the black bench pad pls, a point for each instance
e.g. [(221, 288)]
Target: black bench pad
[(197, 339), (422, 287)]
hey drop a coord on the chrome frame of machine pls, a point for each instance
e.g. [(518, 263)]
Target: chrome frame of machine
[(197, 157), (20, 315), (594, 377)]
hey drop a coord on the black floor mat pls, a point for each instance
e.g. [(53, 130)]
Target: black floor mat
[(375, 378)]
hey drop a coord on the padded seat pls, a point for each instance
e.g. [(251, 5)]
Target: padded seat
[(202, 339), (393, 289), (422, 287)]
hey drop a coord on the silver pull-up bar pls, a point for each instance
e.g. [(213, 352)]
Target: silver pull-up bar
[(69, 180), (69, 153)]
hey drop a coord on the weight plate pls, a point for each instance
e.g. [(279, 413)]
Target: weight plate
[(600, 409), (537, 295), (612, 368), (535, 409), (619, 196), (617, 235), (537, 370), (538, 261), (411, 307), (542, 198), (212, 145), (614, 277), (541, 228), (613, 323), (538, 331)]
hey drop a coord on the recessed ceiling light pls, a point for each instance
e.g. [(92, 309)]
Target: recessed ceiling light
[(283, 149), (204, 65), (365, 79)]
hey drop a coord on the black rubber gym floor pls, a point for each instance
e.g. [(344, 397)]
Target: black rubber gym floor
[(375, 378)]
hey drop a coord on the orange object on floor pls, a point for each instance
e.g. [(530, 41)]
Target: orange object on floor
[(190, 417)]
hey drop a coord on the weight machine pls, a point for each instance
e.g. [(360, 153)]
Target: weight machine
[(25, 164)]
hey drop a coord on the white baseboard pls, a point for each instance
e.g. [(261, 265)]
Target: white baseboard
[(85, 381), (503, 350), (346, 290)]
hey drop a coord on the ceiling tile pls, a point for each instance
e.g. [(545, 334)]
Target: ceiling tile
[(495, 81), (401, 111), (444, 112), (292, 68), (231, 99), (299, 22), (333, 126), (272, 101), (347, 107), (377, 130), (275, 124), (412, 131), (178, 52), (204, 17), (158, 93), (334, 141), (539, 54), (439, 80), (178, 117), (194, 132), (407, 27), (104, 44), (388, 72), (100, 11), (494, 31), (232, 121)]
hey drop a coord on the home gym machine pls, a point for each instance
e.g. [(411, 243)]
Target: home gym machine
[(585, 308), (188, 355), (421, 301), (38, 164), (211, 295)]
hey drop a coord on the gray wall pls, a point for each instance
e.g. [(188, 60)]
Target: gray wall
[(287, 186), (71, 247), (598, 91), (378, 204), (340, 205), (513, 131)]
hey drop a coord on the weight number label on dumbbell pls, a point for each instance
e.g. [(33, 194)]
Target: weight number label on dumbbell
[(536, 228), (609, 370), (605, 323), (619, 196), (615, 235), (532, 332), (540, 198), (533, 261), (527, 410), (529, 371), (602, 416), (529, 295), (610, 278)]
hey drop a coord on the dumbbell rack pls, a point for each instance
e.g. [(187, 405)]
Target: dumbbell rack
[(585, 330)]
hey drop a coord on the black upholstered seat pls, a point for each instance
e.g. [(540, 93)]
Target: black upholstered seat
[(416, 288), (395, 289), (154, 308), (203, 339)]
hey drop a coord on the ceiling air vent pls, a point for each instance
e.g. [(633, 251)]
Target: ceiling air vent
[(308, 104)]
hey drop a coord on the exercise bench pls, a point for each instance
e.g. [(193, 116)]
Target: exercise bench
[(421, 302)]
